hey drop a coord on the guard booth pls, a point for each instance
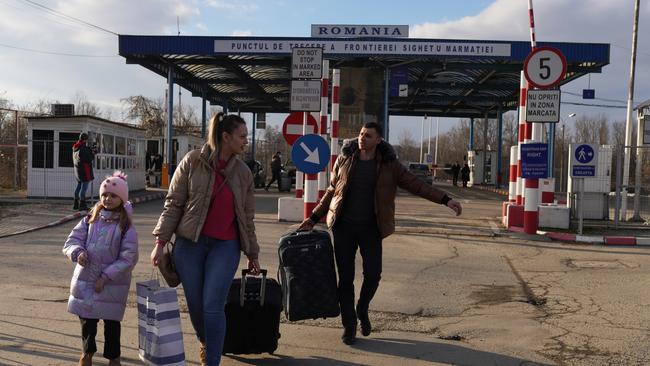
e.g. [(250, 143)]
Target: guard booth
[(181, 145), (482, 167), (50, 170)]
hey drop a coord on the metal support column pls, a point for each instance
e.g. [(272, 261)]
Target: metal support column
[(499, 146), (386, 92), (551, 150), (170, 120), (471, 134), (254, 128), (203, 114)]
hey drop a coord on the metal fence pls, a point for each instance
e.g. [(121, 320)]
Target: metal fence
[(13, 150), (631, 199)]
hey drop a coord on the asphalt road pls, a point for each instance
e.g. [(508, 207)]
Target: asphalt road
[(453, 295)]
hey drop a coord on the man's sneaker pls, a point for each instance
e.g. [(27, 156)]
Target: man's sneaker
[(366, 327), (349, 336)]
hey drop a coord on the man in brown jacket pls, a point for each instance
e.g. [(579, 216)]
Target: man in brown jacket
[(360, 209)]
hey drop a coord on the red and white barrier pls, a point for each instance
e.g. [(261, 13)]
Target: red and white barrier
[(523, 88), (300, 177), (533, 134), (334, 133), (531, 214), (547, 188), (325, 87), (512, 187)]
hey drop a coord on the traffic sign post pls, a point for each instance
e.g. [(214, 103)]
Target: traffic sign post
[(584, 158), (534, 161), (310, 154), (545, 67), (306, 63), (305, 95), (543, 105), (292, 128)]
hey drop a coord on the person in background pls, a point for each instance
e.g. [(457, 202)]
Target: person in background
[(82, 158), (276, 170), (464, 173)]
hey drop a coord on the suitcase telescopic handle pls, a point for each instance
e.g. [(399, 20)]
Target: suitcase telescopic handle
[(242, 290)]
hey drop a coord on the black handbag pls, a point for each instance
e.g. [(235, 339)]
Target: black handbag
[(166, 266)]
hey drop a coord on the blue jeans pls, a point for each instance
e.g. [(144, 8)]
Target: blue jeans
[(80, 192), (206, 269)]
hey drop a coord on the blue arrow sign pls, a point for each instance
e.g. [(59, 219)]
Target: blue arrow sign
[(584, 154), (310, 153)]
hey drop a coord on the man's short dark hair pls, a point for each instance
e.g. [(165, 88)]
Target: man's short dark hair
[(83, 136), (376, 126)]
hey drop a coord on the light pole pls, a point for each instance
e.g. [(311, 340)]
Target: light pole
[(563, 156)]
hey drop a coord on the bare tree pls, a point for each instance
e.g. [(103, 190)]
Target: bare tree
[(84, 107), (147, 113), (407, 149), (593, 130)]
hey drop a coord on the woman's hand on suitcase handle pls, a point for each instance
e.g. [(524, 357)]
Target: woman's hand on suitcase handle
[(306, 225), (254, 266)]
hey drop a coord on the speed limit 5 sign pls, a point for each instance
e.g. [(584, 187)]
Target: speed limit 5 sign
[(545, 67)]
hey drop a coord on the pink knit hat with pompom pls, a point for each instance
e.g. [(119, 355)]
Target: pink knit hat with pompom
[(116, 184)]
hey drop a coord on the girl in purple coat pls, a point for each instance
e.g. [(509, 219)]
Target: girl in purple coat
[(104, 246)]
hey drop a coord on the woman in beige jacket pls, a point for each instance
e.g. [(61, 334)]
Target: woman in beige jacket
[(210, 207)]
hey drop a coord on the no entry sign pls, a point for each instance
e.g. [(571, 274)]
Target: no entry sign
[(292, 127)]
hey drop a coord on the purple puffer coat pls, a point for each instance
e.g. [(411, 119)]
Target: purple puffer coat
[(110, 254)]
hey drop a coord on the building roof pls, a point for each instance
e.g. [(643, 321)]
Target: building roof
[(642, 105), (79, 116), (447, 78)]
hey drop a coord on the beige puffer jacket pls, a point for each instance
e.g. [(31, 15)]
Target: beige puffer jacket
[(188, 199)]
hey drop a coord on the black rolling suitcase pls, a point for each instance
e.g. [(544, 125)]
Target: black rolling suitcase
[(308, 276), (253, 315)]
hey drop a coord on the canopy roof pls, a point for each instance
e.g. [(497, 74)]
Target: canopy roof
[(447, 78)]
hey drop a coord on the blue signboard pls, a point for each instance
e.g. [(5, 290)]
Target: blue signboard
[(534, 161), (584, 159), (583, 171), (398, 76), (310, 153), (588, 93), (584, 154)]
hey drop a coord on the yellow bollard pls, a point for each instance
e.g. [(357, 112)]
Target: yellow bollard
[(165, 176)]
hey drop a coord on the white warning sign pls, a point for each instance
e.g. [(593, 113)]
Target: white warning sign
[(543, 105)]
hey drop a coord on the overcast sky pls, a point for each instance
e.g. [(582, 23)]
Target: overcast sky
[(46, 56)]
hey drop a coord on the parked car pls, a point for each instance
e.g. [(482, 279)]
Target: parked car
[(422, 171)]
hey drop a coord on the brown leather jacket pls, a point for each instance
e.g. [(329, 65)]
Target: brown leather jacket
[(188, 199), (390, 175)]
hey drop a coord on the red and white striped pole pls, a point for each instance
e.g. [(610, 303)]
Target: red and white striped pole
[(523, 89), (533, 132), (334, 133), (311, 192), (512, 187), (325, 87)]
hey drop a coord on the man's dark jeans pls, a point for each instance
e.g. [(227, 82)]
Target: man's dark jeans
[(347, 238)]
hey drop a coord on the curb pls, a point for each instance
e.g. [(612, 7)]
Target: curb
[(76, 215), (503, 192), (591, 239)]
